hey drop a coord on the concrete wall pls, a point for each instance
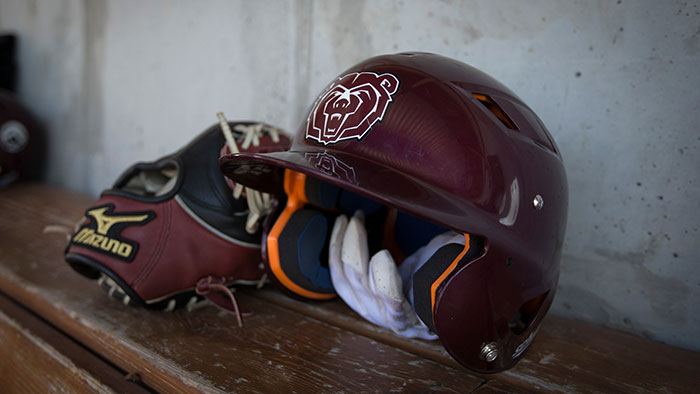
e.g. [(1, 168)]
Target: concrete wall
[(616, 82)]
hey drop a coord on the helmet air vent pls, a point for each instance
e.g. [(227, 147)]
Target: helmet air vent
[(495, 110)]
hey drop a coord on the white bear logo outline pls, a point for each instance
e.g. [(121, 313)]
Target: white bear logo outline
[(350, 107)]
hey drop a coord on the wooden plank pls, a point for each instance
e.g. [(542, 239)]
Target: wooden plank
[(337, 313), (277, 350), (569, 355), (29, 364), (495, 385), (82, 357), (566, 355)]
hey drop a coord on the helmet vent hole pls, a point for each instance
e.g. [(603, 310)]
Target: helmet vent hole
[(495, 109), (522, 319)]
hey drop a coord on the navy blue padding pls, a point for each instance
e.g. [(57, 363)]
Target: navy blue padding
[(351, 202), (328, 194), (309, 248), (321, 194), (412, 233)]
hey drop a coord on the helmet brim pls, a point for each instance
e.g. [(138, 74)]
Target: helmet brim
[(265, 172)]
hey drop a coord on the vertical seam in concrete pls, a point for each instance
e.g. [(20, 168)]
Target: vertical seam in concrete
[(303, 27), (94, 14)]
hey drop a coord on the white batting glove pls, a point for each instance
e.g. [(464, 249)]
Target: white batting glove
[(373, 287)]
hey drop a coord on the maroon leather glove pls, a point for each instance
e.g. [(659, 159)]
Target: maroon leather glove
[(169, 232)]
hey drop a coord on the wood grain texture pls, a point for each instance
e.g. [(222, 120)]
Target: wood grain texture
[(287, 345), (29, 365), (569, 355), (82, 357), (566, 356), (337, 313)]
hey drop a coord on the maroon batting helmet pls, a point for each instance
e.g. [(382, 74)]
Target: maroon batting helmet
[(443, 141)]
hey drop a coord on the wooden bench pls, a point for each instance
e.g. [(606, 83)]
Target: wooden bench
[(59, 331)]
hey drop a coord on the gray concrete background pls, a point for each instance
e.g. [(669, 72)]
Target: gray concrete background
[(616, 82)]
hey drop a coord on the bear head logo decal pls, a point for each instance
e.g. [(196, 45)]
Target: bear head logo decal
[(350, 107)]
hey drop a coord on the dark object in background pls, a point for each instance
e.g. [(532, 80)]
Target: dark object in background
[(8, 65), (22, 141)]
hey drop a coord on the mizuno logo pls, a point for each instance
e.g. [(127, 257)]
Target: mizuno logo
[(103, 232), (87, 237), (104, 222)]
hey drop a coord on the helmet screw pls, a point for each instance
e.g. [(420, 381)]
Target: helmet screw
[(538, 202), (489, 352)]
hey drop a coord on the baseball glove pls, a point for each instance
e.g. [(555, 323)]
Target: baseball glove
[(173, 231)]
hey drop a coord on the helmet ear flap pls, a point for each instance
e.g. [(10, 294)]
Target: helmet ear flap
[(429, 274), (297, 249), (427, 280)]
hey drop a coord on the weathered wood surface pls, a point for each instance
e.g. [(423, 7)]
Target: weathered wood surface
[(287, 345), (29, 365), (80, 359), (566, 356)]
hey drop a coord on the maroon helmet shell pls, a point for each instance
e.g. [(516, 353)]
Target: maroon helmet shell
[(442, 140)]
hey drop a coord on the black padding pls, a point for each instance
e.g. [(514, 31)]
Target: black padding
[(204, 187), (350, 202), (321, 194), (324, 195), (201, 185), (303, 249), (328, 196), (412, 233), (424, 278)]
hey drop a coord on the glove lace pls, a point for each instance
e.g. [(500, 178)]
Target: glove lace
[(259, 204), (206, 286)]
